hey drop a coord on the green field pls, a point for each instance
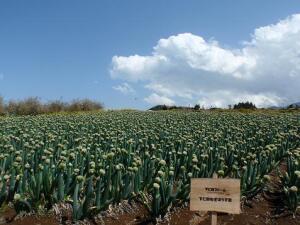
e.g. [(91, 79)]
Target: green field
[(92, 160)]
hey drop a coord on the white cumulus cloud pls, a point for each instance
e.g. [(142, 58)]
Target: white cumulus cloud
[(124, 88), (265, 70), (155, 99)]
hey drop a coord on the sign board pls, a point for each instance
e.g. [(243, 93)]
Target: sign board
[(217, 195)]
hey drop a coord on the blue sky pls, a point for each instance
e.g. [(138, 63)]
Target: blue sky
[(64, 49)]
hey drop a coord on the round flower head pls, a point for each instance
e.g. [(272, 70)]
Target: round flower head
[(157, 180), (102, 172), (195, 160), (19, 159), (156, 186), (80, 178), (293, 189), (162, 162), (160, 173), (17, 197), (27, 166), (118, 167)]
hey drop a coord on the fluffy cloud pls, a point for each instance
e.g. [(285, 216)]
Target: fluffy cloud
[(155, 99), (265, 70), (124, 88)]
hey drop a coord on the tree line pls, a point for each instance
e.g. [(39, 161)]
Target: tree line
[(33, 106), (240, 105)]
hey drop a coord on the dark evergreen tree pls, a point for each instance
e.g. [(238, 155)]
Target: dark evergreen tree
[(244, 105), (197, 107)]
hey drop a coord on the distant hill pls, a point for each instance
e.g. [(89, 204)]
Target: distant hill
[(295, 105), (165, 107), (277, 107)]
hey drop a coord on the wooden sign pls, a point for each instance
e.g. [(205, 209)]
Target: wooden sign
[(217, 195)]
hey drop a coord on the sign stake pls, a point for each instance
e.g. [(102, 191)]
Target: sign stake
[(214, 214), (213, 218)]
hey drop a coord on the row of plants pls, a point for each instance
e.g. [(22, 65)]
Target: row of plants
[(290, 181), (94, 160)]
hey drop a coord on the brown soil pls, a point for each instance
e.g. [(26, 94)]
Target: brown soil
[(9, 216), (259, 212)]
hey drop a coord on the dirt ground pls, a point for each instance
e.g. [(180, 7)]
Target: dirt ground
[(260, 212)]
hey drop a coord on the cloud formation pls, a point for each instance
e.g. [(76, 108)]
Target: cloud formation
[(124, 88), (155, 99), (265, 70)]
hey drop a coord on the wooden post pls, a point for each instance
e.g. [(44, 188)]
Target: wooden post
[(214, 214), (213, 218)]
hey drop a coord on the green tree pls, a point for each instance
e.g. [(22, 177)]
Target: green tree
[(2, 111)]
